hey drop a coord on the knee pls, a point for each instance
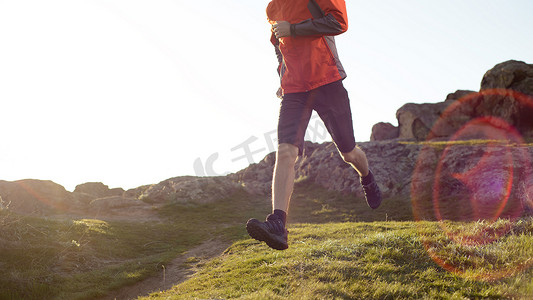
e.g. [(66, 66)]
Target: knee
[(287, 153)]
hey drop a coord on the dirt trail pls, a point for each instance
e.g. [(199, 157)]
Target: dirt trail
[(174, 273)]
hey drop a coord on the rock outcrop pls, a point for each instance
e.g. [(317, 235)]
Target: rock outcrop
[(416, 121), (392, 163), (98, 190), (188, 189), (44, 197), (35, 197), (472, 181), (506, 93)]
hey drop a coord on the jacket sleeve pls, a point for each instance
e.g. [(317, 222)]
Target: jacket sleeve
[(329, 18)]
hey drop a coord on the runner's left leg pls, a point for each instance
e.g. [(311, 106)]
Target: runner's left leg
[(357, 159)]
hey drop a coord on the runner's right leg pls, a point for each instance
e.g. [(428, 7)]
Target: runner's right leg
[(283, 178), (273, 230), (295, 112)]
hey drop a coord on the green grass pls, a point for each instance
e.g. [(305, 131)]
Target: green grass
[(378, 260), (81, 258), (339, 248), (87, 258)]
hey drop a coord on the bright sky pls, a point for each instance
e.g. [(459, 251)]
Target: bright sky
[(132, 92)]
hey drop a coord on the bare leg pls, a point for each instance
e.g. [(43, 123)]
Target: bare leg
[(357, 159), (283, 179)]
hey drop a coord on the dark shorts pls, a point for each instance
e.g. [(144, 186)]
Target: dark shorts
[(332, 104)]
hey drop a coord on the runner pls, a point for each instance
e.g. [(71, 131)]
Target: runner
[(311, 77)]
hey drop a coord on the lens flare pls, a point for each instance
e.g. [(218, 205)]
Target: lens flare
[(490, 180), (47, 199), (488, 184)]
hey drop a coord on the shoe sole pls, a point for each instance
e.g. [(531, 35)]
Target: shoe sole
[(374, 205), (256, 231)]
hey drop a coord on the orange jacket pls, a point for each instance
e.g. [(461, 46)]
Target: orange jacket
[(308, 58)]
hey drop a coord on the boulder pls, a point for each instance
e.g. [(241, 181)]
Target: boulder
[(416, 120), (98, 190), (35, 197), (384, 131), (512, 74), (189, 190), (516, 109)]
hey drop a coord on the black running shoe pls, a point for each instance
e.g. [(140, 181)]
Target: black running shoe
[(272, 232), (371, 190)]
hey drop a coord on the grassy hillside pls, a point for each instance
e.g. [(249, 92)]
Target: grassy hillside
[(82, 258), (379, 260), (330, 254)]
